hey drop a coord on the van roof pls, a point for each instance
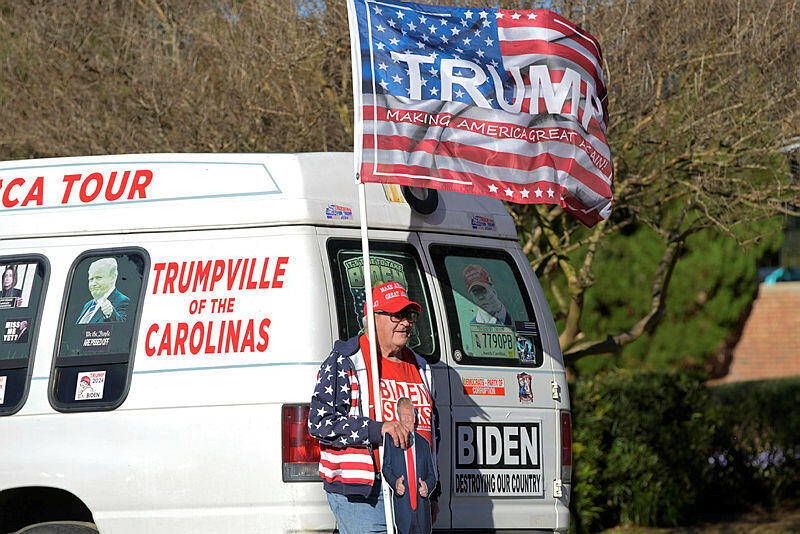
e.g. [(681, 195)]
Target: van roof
[(157, 192)]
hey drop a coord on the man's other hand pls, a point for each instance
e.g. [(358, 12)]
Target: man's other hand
[(423, 488), (398, 432), (401, 488)]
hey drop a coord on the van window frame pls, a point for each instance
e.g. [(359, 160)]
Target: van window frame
[(65, 362), (334, 244), (438, 253), (19, 363)]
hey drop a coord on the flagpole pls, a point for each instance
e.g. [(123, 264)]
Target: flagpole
[(373, 353)]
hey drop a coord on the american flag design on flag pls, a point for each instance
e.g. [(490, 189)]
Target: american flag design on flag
[(336, 420), (503, 103)]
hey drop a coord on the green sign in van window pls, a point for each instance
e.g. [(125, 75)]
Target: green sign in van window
[(389, 262), (21, 295)]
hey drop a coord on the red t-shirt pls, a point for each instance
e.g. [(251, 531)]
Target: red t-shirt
[(401, 379)]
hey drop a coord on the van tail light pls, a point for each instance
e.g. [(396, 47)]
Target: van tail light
[(566, 447), (300, 450)]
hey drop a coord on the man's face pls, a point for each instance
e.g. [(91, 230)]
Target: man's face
[(406, 415), (391, 335), (485, 297), (8, 279), (100, 280)]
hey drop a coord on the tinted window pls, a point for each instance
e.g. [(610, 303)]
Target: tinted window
[(99, 321), (21, 296), (490, 315), (389, 262)]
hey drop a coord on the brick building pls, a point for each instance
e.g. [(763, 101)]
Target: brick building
[(770, 342)]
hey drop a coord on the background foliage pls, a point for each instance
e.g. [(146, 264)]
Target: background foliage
[(656, 448)]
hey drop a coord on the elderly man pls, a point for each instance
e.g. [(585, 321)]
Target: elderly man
[(343, 412), (108, 304), (481, 291)]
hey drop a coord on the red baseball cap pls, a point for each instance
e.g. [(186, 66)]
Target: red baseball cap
[(476, 275), (391, 297)]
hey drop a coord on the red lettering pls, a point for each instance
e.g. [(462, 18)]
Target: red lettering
[(202, 275), (181, 334), (216, 276), (232, 272), (279, 271), (36, 193), (221, 335), (198, 328), (210, 349), (264, 283), (7, 201), (249, 335), (150, 331), (233, 336), (157, 268), (244, 269), (262, 332), (70, 180), (251, 284), (183, 282), (141, 180), (83, 193), (165, 340), (115, 195), (169, 278)]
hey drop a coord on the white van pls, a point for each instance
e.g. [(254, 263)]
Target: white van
[(176, 308)]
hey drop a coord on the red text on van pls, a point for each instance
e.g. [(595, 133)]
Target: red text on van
[(113, 186)]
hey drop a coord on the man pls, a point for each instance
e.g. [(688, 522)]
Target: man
[(482, 292), (343, 412), (411, 474), (22, 335), (108, 304)]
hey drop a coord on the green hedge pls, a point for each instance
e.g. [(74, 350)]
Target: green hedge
[(659, 448)]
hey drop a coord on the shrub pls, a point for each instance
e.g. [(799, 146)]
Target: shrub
[(660, 448)]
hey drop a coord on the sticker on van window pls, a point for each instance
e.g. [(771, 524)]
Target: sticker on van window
[(481, 222), (90, 385), (17, 284), (525, 387), (498, 459), (484, 386), (16, 330), (339, 213), (493, 341), (3, 389), (97, 337)]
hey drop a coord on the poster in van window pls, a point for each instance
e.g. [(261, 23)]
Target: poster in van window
[(381, 270), (498, 459), (489, 305), (100, 307), (3, 389), (17, 330), (17, 284), (90, 385)]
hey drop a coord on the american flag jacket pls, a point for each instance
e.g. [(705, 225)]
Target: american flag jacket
[(337, 419)]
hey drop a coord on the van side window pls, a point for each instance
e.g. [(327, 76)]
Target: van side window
[(397, 262), (21, 296), (491, 318), (99, 321)]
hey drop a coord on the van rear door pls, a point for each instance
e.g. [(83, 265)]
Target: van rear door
[(504, 418)]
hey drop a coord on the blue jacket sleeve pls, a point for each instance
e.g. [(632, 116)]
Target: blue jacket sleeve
[(329, 418), (390, 466)]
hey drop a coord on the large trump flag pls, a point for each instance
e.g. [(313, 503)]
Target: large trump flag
[(504, 103)]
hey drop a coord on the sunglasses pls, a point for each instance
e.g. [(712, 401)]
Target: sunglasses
[(408, 315)]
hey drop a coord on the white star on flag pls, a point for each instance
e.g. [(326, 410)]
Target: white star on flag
[(493, 188), (509, 192), (525, 193)]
